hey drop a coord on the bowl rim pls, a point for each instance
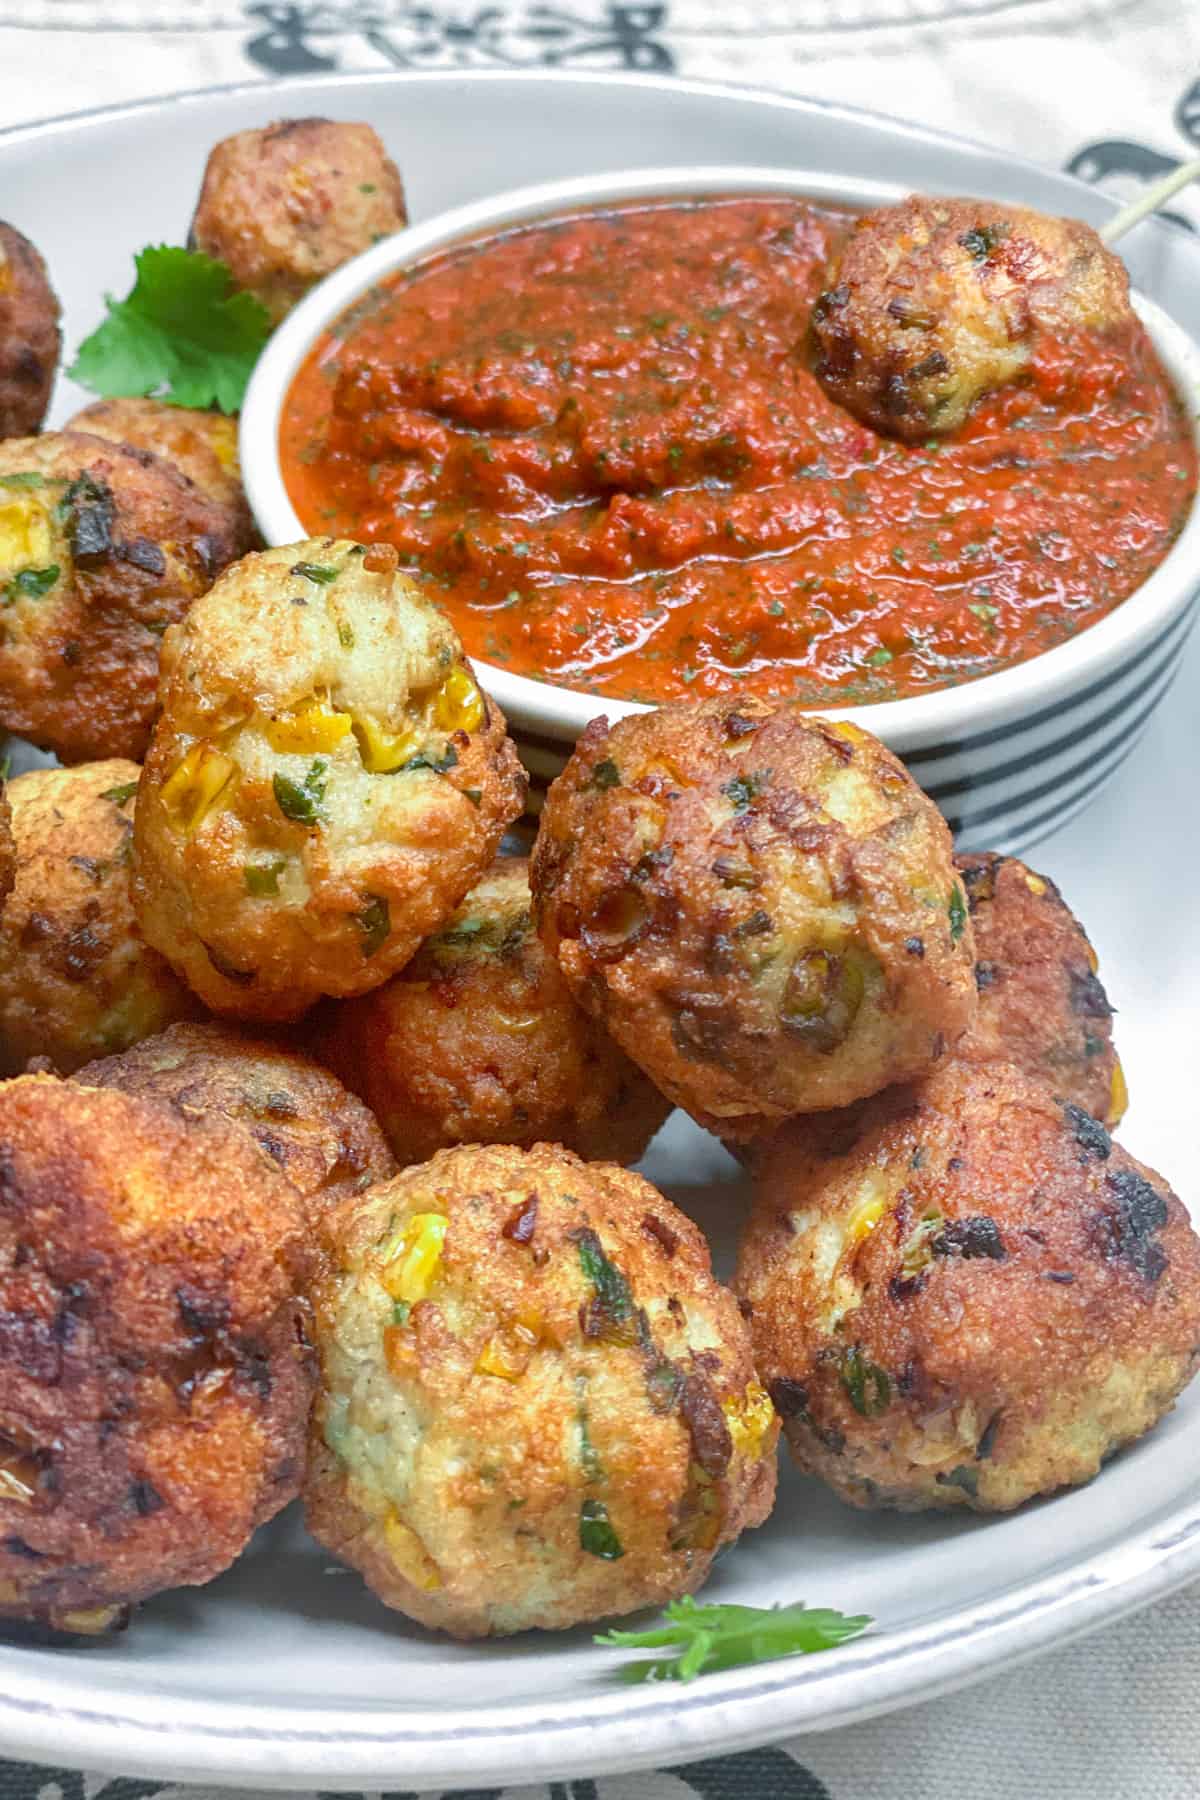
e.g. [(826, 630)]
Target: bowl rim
[(950, 716)]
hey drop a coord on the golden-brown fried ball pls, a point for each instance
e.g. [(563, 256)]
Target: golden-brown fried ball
[(8, 852), (537, 1406), (761, 906), (933, 303), (201, 445), (964, 1293), (154, 1374), (101, 548), (286, 205), (322, 1138), (1042, 1004), (325, 782), (478, 1041), (30, 338), (76, 979)]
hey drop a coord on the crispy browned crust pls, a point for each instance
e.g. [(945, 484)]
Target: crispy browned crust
[(478, 1040), (8, 851), (1042, 1004), (200, 445), (321, 1137), (611, 1404), (285, 205), (1014, 1297), (154, 1375), (933, 303), (760, 906), (30, 337), (135, 543), (76, 978)]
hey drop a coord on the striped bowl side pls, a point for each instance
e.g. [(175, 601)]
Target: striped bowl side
[(1007, 788)]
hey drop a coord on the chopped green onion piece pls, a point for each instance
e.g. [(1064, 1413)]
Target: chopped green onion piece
[(375, 923), (31, 584), (957, 910), (866, 1384), (318, 572), (596, 1534), (262, 879), (302, 801), (119, 795)]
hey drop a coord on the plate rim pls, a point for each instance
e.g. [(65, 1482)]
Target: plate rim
[(525, 1742), (160, 1735)]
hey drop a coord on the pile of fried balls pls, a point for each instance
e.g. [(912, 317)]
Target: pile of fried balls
[(319, 1100)]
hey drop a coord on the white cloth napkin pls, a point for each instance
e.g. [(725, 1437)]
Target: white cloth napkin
[(1110, 88)]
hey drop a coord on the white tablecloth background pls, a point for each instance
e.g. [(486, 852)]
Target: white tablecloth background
[(1110, 88)]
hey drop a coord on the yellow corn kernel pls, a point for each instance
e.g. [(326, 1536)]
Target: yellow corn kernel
[(459, 704), (1034, 883), (751, 1420), (88, 1621), (382, 751), (863, 1219), (412, 1263), (1118, 1096), (198, 781), (399, 1351), (222, 436), (312, 728), (409, 1554), (507, 1352), (26, 538)]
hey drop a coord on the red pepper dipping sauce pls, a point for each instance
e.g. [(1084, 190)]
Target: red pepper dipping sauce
[(600, 443)]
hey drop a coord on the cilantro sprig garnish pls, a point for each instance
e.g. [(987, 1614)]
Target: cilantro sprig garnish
[(728, 1637), (182, 334)]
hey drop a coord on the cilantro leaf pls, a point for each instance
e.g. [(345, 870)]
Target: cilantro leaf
[(728, 1637), (182, 334)]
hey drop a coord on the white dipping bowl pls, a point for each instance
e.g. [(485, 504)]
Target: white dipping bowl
[(1009, 757)]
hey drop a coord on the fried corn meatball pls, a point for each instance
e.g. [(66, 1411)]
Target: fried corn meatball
[(154, 1372), (285, 206), (760, 906), (76, 978), (30, 338), (964, 1294), (321, 1137), (1042, 1004), (101, 548), (8, 852), (933, 303), (324, 784), (201, 445), (478, 1041), (536, 1404)]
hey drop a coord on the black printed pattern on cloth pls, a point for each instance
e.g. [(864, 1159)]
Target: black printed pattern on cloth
[(754, 1775), (292, 39)]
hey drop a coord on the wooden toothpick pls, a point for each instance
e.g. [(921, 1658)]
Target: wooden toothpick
[(1150, 201)]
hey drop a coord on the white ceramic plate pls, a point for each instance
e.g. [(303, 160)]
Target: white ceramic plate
[(283, 1674)]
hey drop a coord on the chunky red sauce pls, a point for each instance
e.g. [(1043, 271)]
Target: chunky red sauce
[(598, 440)]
